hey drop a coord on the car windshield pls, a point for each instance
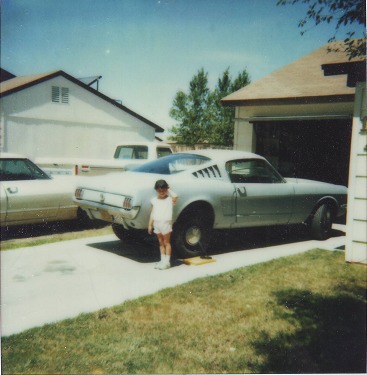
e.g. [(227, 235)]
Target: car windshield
[(172, 164)]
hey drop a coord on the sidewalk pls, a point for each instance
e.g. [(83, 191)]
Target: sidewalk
[(53, 282)]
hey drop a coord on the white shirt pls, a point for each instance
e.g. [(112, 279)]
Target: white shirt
[(162, 209)]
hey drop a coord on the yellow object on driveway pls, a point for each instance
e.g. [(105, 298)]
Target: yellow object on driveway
[(198, 261)]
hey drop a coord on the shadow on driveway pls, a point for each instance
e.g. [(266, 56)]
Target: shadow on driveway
[(223, 241)]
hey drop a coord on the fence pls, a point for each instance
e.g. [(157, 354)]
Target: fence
[(176, 147)]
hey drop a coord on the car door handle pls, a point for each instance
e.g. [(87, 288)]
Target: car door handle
[(241, 191), (12, 190)]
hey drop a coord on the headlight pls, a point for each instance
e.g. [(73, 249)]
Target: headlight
[(79, 193)]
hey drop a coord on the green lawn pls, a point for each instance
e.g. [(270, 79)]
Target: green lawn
[(300, 314)]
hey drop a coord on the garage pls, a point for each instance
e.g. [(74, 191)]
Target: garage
[(298, 118), (316, 149)]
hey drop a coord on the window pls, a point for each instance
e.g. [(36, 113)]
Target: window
[(20, 169), (163, 151), (60, 95), (131, 152), (171, 164), (252, 171)]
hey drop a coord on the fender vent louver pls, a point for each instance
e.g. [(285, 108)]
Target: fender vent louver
[(209, 172)]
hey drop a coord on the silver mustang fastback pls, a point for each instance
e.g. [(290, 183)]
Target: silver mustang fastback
[(217, 189)]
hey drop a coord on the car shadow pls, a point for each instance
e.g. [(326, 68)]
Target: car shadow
[(253, 238), (145, 251), (223, 241)]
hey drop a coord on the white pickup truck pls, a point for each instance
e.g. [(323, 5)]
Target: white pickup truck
[(127, 156)]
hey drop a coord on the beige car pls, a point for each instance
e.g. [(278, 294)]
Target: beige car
[(28, 195)]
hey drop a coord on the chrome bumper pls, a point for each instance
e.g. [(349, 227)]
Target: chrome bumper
[(107, 213)]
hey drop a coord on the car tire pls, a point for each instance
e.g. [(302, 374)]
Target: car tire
[(84, 220), (126, 235), (321, 223), (191, 233)]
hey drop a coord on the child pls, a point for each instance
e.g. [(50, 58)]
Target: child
[(161, 219)]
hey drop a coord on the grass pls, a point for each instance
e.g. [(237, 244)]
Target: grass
[(34, 235), (304, 313)]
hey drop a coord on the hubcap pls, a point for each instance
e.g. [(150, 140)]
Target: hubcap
[(327, 221), (193, 235)]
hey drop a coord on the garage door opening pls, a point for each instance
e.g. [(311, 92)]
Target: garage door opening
[(317, 149)]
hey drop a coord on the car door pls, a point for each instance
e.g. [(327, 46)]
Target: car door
[(3, 204), (262, 195), (30, 192)]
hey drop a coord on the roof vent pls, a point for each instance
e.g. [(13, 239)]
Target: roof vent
[(60, 95)]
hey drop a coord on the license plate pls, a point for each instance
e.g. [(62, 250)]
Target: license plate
[(105, 216)]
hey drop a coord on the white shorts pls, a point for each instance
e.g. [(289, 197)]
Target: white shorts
[(162, 227)]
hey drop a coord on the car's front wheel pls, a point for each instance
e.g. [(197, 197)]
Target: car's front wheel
[(192, 232), (321, 223)]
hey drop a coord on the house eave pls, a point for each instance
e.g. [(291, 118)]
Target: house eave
[(45, 78), (290, 101), (355, 70)]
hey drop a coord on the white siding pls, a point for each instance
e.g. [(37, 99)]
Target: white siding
[(87, 126), (356, 244)]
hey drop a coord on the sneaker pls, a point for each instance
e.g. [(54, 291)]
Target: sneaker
[(164, 266), (157, 265)]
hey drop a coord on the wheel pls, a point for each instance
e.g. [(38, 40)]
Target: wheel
[(126, 235), (84, 220), (191, 233), (321, 223)]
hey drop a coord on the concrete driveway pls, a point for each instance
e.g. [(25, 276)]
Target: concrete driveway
[(49, 283)]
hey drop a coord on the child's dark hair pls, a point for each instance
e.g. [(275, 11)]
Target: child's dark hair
[(161, 184)]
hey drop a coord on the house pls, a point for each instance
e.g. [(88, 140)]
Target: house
[(298, 118), (57, 115), (309, 119)]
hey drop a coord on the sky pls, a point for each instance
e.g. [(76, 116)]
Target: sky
[(148, 50)]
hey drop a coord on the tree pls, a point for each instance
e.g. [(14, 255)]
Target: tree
[(200, 115), (190, 111), (221, 130), (344, 12)]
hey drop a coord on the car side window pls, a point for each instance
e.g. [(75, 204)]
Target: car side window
[(163, 151), (252, 171), (131, 152), (20, 170)]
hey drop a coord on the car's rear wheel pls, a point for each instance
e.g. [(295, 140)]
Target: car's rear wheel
[(126, 235), (321, 223), (84, 220), (192, 232)]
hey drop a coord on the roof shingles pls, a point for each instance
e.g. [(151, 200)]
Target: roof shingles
[(300, 79)]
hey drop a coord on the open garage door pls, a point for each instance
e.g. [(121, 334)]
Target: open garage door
[(313, 149)]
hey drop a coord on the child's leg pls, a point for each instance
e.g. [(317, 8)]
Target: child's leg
[(167, 244), (166, 263), (161, 247)]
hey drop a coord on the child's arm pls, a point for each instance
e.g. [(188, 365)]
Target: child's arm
[(173, 195), (150, 224)]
